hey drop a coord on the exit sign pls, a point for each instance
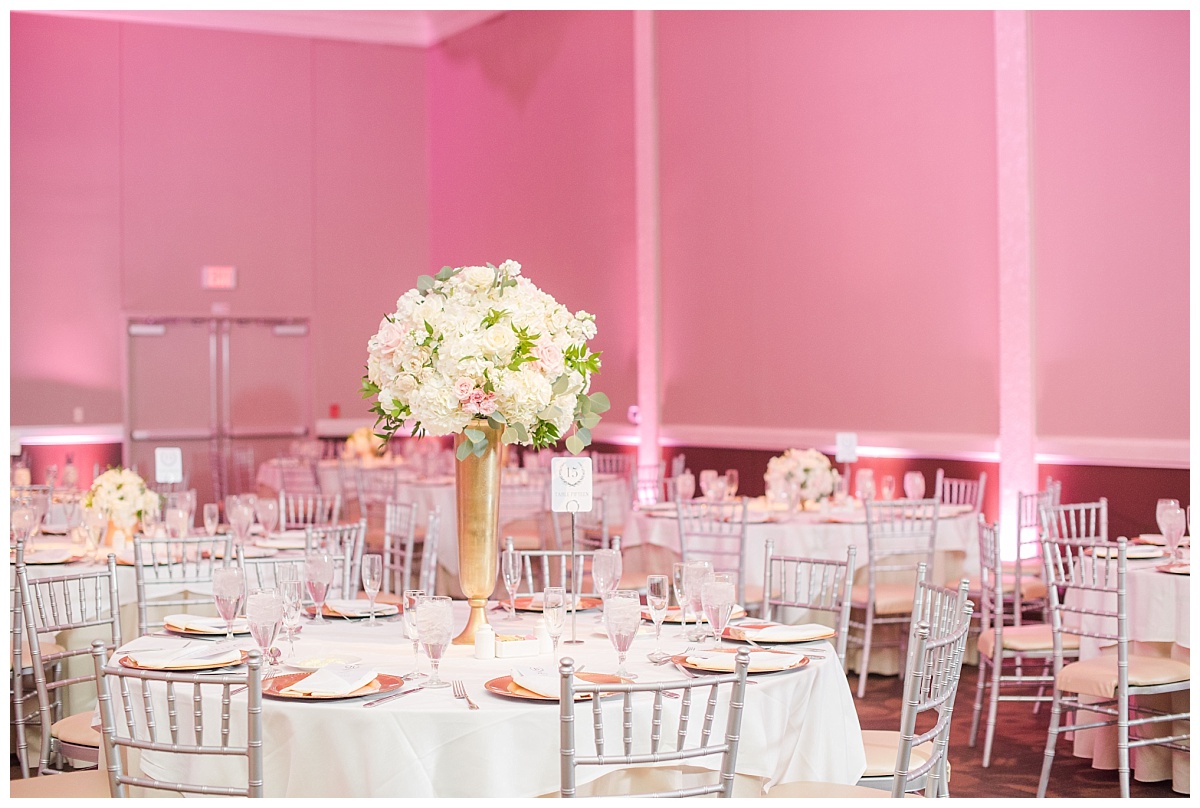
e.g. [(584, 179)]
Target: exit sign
[(218, 278)]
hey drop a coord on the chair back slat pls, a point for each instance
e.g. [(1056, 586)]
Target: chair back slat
[(164, 566), (814, 584), (715, 532)]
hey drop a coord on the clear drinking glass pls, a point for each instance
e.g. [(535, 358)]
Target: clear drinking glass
[(510, 568), (151, 517), (189, 501), (914, 485), (731, 483), (717, 593), (1163, 505), (707, 478), (622, 618), (677, 572), (240, 520), (887, 486), (318, 575), (372, 579), (264, 613), (658, 598), (606, 574), (693, 579), (685, 485), (864, 484), (435, 622), (291, 592), (413, 598), (97, 522), (21, 519), (1173, 523), (212, 517), (554, 610), (177, 522), (229, 588), (268, 514)]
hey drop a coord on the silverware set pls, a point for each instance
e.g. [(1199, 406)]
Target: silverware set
[(460, 692)]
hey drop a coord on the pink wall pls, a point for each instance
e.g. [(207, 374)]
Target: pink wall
[(141, 153), (531, 158), (1112, 222), (829, 220)]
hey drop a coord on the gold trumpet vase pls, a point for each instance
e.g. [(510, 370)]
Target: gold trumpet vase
[(477, 499)]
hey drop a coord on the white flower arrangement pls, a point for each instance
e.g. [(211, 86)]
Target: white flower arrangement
[(810, 471), (121, 494), (483, 343), (363, 443)]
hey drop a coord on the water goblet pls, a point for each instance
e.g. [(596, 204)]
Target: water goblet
[(678, 569), (887, 486), (434, 624), (864, 484), (413, 598), (554, 611), (707, 478), (212, 518), (1163, 505), (372, 579), (914, 484), (606, 574), (622, 619), (188, 500), (658, 597), (264, 613), (177, 523), (21, 519), (1173, 523), (693, 580), (152, 517), (685, 485), (291, 592), (241, 519), (318, 575), (229, 588), (731, 483), (510, 567), (41, 506), (97, 522), (268, 514), (717, 593)]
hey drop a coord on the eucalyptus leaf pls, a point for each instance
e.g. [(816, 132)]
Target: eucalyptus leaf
[(475, 435), (424, 283), (575, 444), (560, 385), (584, 434), (510, 436), (590, 420), (463, 450), (599, 402)]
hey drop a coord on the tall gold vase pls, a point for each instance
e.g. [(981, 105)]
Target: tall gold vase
[(477, 497)]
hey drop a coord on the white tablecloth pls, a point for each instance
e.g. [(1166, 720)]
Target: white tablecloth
[(797, 725)]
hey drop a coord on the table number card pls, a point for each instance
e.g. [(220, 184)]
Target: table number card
[(847, 447), (571, 484), (168, 464)]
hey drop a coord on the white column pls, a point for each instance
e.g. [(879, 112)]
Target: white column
[(646, 166), (1018, 403)]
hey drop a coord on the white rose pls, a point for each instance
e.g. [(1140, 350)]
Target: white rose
[(511, 267), (499, 341), (478, 277)]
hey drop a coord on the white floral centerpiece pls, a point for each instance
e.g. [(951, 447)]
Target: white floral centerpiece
[(483, 343), (363, 443), (808, 471), (122, 494)]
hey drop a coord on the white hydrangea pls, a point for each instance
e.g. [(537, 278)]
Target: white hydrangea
[(122, 494), (809, 470)]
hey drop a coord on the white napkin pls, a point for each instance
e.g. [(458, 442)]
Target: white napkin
[(332, 680), (193, 622), (349, 607), (183, 655), (538, 681), (783, 633), (1131, 551), (759, 661), (50, 556)]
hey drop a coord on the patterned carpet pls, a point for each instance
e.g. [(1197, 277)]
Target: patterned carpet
[(1017, 750)]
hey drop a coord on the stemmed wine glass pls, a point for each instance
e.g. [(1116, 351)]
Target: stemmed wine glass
[(693, 580), (622, 618), (212, 518), (685, 485), (1173, 522), (658, 597), (887, 486), (554, 610), (678, 569), (864, 484), (318, 575), (241, 519), (1163, 505), (914, 485), (510, 567), (707, 478), (264, 613), (177, 523), (291, 592), (268, 514), (434, 624), (97, 522), (372, 579), (718, 594), (731, 483), (606, 574), (412, 599), (21, 520), (188, 501), (229, 588)]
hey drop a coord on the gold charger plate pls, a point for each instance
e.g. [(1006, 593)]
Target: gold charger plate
[(1176, 569), (381, 610), (681, 660), (527, 604), (274, 686), (126, 662), (32, 558), (505, 686), (238, 628), (737, 634)]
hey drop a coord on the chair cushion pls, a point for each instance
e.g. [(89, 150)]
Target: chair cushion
[(814, 789), (881, 745), (91, 783), (889, 598), (76, 729), (525, 533), (46, 647), (1098, 676), (1025, 637), (1031, 588)]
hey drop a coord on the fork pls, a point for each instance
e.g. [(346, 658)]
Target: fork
[(460, 692)]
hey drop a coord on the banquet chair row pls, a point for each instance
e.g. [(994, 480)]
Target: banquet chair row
[(959, 490), (206, 734), (399, 549), (299, 509), (811, 584), (545, 568)]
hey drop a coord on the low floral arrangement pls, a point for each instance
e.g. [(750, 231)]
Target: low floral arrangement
[(483, 343), (122, 494), (364, 443), (810, 471)]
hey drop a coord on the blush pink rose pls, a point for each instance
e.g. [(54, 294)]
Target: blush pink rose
[(390, 337), (549, 357), (463, 388), (480, 403)]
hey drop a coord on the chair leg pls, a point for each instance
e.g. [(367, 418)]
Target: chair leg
[(993, 703), (865, 657), (1051, 741), (978, 701), (1123, 745)]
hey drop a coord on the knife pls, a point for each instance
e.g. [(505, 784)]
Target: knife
[(395, 695)]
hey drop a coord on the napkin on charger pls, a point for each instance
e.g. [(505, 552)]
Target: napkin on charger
[(353, 607), (332, 680), (538, 681), (200, 623), (759, 661), (785, 633), (180, 655)]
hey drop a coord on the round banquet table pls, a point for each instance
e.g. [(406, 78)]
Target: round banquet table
[(1159, 619), (797, 725)]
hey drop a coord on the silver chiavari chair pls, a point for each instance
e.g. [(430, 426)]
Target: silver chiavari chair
[(340, 540), (812, 584), (399, 549), (960, 491), (297, 510), (169, 571), (696, 734), (716, 532)]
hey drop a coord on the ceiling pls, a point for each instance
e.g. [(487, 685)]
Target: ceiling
[(414, 28)]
